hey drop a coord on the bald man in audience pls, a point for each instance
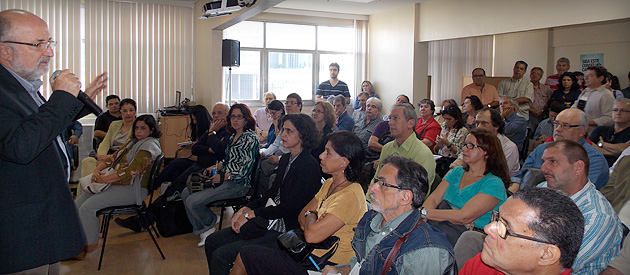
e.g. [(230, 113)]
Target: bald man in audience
[(536, 231)]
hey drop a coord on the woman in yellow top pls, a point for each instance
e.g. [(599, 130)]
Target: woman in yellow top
[(335, 210)]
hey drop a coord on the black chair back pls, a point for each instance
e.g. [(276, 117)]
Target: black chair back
[(254, 182), (155, 169)]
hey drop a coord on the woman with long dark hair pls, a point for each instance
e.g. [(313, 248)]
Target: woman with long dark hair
[(568, 90), (234, 172), (335, 210), (470, 106), (467, 195), (275, 109), (448, 143), (199, 121)]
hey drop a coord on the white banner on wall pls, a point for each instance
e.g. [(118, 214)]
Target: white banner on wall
[(587, 60)]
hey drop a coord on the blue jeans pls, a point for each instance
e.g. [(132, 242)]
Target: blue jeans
[(200, 216)]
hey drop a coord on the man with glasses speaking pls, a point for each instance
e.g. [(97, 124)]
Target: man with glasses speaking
[(536, 231), (40, 225), (571, 124)]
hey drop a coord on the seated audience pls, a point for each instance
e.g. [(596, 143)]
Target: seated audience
[(565, 165), (381, 136), (542, 93), (491, 120), (405, 144), (545, 127), (71, 137), (536, 231), (276, 109), (470, 106), (396, 196), (612, 84), (324, 117), (234, 172), (263, 119), (298, 182), (595, 99), (399, 99), (129, 181), (200, 121), (519, 89), (101, 125), (335, 210), (359, 113), (293, 103), (344, 121), (484, 91), (427, 128), (569, 90), (445, 103), (467, 195), (449, 142), (515, 125), (117, 135), (570, 124), (612, 140), (366, 87), (563, 65), (365, 127)]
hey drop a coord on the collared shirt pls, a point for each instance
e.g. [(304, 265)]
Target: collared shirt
[(541, 97), (487, 93), (32, 87), (364, 129), (415, 262), (545, 127), (358, 115), (344, 122), (511, 154), (411, 148), (602, 231), (599, 105), (598, 168), (515, 89)]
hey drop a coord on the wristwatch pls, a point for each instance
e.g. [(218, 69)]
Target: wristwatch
[(600, 144), (423, 213), (309, 212), (212, 133)]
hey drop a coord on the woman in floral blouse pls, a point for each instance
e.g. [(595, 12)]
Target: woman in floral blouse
[(235, 172), (449, 142), (129, 181)]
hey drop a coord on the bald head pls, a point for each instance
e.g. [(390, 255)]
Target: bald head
[(24, 44), (572, 125)]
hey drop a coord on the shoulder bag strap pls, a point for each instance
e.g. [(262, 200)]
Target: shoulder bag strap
[(425, 127), (394, 252)]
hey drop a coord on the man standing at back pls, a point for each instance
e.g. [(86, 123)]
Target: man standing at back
[(40, 225), (518, 88), (333, 86), (563, 65), (486, 92), (101, 125)]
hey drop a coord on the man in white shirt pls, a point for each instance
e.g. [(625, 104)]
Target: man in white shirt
[(518, 88)]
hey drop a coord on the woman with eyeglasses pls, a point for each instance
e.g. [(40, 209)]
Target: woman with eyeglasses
[(467, 195), (335, 210), (448, 143), (234, 173)]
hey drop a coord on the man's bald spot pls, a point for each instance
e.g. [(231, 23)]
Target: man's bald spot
[(13, 20)]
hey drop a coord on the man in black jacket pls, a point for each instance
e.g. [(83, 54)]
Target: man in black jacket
[(40, 225)]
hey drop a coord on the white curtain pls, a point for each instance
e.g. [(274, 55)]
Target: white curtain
[(451, 60), (145, 48), (360, 52), (63, 18)]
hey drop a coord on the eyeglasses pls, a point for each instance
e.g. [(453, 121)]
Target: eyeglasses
[(503, 231), (564, 126), (471, 146), (621, 110), (41, 46), (384, 184), (237, 117), (292, 102)]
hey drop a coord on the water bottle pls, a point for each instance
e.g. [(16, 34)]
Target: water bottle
[(214, 170)]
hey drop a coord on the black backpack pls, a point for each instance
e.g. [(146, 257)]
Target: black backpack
[(170, 216)]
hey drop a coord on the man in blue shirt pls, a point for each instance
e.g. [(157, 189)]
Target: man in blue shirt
[(344, 121), (515, 125), (334, 86)]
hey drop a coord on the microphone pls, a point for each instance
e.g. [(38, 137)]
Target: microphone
[(86, 100)]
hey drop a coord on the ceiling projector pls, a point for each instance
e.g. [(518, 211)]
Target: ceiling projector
[(224, 7)]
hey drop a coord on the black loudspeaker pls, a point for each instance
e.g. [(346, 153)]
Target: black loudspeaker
[(231, 53)]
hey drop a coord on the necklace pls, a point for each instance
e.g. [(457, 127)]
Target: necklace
[(330, 193)]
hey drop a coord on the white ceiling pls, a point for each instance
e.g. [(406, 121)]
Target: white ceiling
[(346, 6)]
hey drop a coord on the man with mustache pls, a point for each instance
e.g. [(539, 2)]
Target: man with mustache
[(40, 224), (518, 88)]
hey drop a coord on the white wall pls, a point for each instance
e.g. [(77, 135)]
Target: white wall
[(447, 19), (391, 53), (530, 46)]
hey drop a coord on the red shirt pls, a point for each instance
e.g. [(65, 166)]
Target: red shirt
[(550, 139), (475, 266), (431, 132)]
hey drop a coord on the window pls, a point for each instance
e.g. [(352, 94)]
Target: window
[(287, 58)]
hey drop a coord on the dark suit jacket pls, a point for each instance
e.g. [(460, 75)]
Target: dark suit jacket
[(298, 188), (39, 223)]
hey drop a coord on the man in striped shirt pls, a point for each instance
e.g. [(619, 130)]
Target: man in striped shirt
[(565, 166)]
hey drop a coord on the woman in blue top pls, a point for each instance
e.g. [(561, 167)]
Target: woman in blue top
[(235, 172), (467, 195)]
